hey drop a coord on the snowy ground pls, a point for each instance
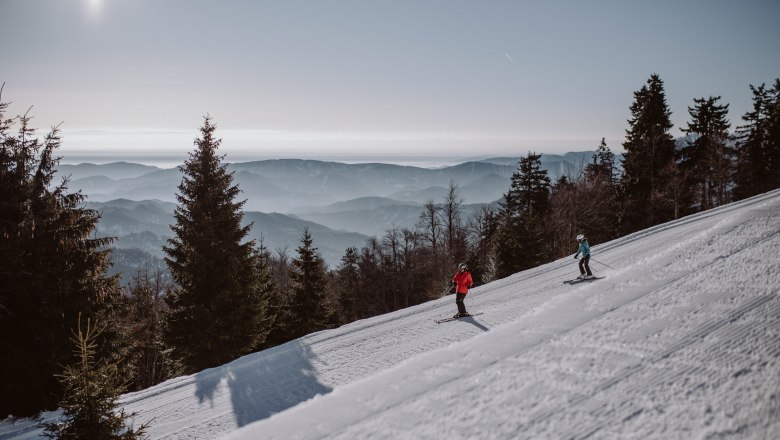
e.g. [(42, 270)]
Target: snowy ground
[(681, 340)]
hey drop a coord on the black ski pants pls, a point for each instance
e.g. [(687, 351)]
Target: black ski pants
[(459, 297), (584, 268)]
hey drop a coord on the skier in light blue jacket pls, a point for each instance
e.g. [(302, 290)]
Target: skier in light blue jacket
[(584, 249)]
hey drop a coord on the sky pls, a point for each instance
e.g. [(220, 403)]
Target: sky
[(678, 341), (350, 78)]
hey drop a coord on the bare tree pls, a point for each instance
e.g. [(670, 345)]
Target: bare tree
[(450, 215), (430, 225)]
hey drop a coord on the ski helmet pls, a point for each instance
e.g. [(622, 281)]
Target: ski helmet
[(580, 237), (462, 266)]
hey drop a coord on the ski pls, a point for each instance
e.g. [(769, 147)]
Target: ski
[(580, 280), (439, 321)]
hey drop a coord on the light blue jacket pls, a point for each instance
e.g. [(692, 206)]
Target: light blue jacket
[(584, 248)]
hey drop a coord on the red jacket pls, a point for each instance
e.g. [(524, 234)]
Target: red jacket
[(462, 281)]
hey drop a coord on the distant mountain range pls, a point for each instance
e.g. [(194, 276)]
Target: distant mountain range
[(116, 170), (341, 204), (144, 226), (373, 216), (287, 185)]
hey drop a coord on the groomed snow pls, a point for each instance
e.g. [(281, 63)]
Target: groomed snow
[(680, 340)]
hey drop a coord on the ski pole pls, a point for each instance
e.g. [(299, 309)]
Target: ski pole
[(597, 261)]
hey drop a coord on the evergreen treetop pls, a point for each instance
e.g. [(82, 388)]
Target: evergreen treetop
[(309, 309), (529, 189), (521, 235), (649, 159), (218, 308), (602, 167), (52, 268), (758, 143), (706, 159), (92, 389)]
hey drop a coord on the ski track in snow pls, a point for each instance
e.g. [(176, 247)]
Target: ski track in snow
[(681, 340)]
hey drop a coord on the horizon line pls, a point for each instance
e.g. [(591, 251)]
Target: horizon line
[(165, 160)]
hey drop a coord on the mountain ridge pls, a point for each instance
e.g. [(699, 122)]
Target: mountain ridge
[(286, 185), (145, 225)]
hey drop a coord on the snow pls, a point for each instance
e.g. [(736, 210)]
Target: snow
[(680, 340)]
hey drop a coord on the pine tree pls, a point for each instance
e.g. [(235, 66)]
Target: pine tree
[(265, 281), (92, 389), (280, 304), (758, 144), (597, 197), (521, 241), (309, 307), (51, 268), (649, 158), (773, 150), (417, 285), (219, 306), (602, 167), (392, 264), (773, 146), (149, 358), (372, 279), (347, 284), (707, 159)]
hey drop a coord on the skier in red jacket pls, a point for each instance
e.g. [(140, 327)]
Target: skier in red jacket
[(462, 281)]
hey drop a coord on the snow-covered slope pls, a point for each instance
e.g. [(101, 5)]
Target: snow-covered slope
[(680, 340)]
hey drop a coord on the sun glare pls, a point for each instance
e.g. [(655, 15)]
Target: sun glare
[(94, 9), (94, 5)]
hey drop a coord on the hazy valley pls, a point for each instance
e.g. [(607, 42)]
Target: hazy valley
[(341, 204)]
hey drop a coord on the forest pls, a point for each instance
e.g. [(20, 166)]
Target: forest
[(75, 339)]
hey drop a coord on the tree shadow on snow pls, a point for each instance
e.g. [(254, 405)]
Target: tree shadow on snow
[(271, 381), (206, 383)]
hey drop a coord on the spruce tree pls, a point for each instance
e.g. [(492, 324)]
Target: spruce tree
[(219, 305), (597, 195), (602, 168), (372, 279), (310, 312), (266, 284), (148, 359), (396, 266), (521, 241), (51, 268), (347, 284), (280, 303), (92, 389), (649, 159), (706, 160), (758, 144), (773, 146), (417, 286)]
